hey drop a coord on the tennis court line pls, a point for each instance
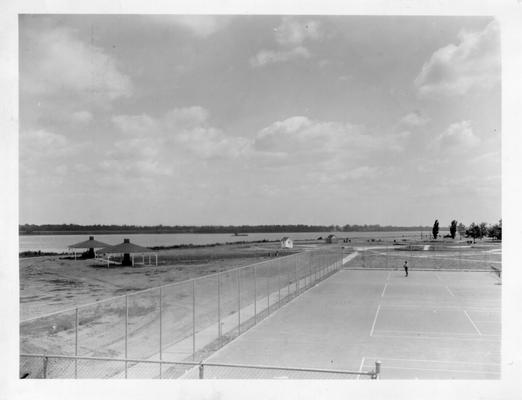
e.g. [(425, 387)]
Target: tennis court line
[(435, 361), (442, 307), (361, 366), (375, 320), (472, 323), (441, 334), (478, 338), (384, 289), (451, 334), (467, 371)]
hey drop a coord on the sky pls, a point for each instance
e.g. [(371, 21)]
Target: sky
[(228, 120)]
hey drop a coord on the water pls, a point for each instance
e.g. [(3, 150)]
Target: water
[(60, 243)]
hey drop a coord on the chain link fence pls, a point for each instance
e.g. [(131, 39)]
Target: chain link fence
[(485, 257), (182, 321), (71, 367)]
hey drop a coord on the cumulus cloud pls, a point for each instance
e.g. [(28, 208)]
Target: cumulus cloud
[(290, 37), (300, 139), (37, 144), (415, 118), (135, 124), (457, 137), (40, 149), (179, 130), (294, 32), (82, 117), (265, 57), (199, 25), (455, 69), (58, 61)]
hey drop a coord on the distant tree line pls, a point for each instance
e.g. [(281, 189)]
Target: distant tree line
[(474, 231), (31, 229)]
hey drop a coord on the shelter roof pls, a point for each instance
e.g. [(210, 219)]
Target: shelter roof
[(125, 248), (89, 244)]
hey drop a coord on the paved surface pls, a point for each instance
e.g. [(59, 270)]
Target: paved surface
[(430, 325)]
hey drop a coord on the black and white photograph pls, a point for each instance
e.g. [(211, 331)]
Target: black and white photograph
[(306, 202)]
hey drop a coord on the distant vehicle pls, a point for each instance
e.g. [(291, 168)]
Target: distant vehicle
[(240, 234)]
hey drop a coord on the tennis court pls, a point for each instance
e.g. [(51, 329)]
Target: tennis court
[(430, 325)]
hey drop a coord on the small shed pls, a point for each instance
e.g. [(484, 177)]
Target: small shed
[(129, 251), (287, 243), (90, 244), (331, 239)]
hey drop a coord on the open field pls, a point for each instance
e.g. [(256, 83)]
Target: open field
[(54, 283)]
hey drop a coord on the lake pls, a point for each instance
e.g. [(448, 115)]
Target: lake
[(60, 243)]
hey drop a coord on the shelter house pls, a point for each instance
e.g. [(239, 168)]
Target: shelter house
[(91, 245), (287, 243), (331, 239), (128, 251)]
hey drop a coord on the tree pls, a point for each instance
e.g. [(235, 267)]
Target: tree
[(483, 229), (453, 229), (461, 228), (473, 232), (495, 231), (435, 229)]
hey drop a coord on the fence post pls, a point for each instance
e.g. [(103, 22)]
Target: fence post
[(45, 361), (126, 331), (255, 294), (76, 323), (377, 370), (238, 301), (160, 324), (193, 319), (201, 371)]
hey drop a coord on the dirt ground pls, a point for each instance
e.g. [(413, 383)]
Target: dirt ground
[(53, 283)]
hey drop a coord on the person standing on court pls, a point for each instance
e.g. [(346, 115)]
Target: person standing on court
[(405, 266)]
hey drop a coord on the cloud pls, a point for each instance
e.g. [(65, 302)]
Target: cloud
[(202, 26), (292, 32), (182, 131), (265, 57), (58, 62), (415, 118), (290, 37), (41, 150), (37, 144), (299, 139), (456, 69), (135, 124), (457, 137), (82, 117)]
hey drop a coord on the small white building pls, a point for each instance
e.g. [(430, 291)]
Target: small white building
[(287, 243)]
